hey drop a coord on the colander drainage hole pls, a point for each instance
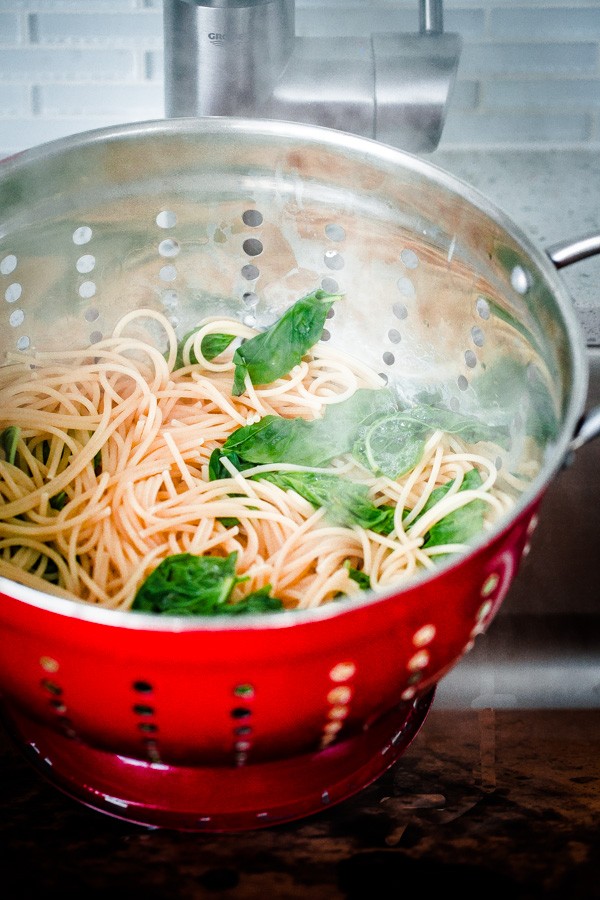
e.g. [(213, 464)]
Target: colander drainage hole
[(333, 260), (335, 232), (250, 272), (168, 248), (166, 218), (483, 308), (51, 687), (168, 273), (252, 217), (420, 660), (338, 698), (56, 702), (250, 299), (85, 263), (141, 710), (143, 713), (409, 258), (13, 292), (252, 247), (330, 285), (242, 729), (8, 264)]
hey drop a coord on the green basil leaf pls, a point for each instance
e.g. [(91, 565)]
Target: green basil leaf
[(361, 578), (212, 346), (265, 441), (302, 442), (506, 388), (392, 445), (468, 427), (9, 439), (273, 353), (257, 602), (217, 470), (228, 521), (59, 500), (346, 502), (188, 585), (462, 525)]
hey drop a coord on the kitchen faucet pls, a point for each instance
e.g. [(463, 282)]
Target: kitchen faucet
[(243, 58)]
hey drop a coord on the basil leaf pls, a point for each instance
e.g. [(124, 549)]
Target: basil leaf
[(348, 422), (59, 500), (361, 578), (217, 470), (346, 502), (392, 445), (542, 421), (186, 585), (265, 441), (461, 525), (212, 345), (507, 388), (302, 442), (228, 521), (9, 439), (274, 352), (257, 602), (469, 428)]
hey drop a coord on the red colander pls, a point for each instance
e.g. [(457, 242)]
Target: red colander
[(225, 725)]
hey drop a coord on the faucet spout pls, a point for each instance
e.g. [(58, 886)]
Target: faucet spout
[(243, 58), (224, 58)]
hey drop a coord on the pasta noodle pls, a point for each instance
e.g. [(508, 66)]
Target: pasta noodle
[(114, 446)]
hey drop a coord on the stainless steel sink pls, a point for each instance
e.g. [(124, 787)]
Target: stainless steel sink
[(543, 648)]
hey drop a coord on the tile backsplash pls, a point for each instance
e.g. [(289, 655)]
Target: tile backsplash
[(529, 74)]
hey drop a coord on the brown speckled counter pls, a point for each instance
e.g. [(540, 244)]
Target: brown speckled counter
[(488, 803)]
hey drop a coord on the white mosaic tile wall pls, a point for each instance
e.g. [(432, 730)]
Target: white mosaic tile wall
[(529, 74)]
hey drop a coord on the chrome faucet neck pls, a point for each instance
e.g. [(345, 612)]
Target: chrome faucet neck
[(243, 58)]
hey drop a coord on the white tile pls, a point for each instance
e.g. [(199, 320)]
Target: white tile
[(517, 93), (141, 100), (518, 58), (15, 100), (546, 23), (38, 63), (516, 128), (139, 27), (10, 28)]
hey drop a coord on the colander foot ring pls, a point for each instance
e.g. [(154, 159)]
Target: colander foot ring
[(218, 799)]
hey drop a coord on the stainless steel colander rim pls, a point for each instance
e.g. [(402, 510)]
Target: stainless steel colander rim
[(363, 149)]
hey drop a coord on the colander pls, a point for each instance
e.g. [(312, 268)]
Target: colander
[(206, 724)]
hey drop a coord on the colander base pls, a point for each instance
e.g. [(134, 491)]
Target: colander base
[(218, 799)]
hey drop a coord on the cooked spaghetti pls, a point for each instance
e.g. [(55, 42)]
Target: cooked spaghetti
[(110, 474)]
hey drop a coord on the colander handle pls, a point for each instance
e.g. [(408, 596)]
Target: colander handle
[(587, 429), (565, 253)]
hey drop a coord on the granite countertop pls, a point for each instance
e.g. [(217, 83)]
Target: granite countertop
[(489, 803), (483, 804)]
